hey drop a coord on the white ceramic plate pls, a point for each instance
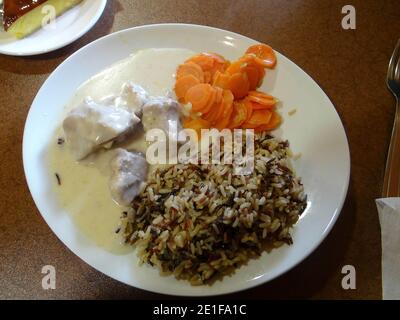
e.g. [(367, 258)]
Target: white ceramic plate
[(315, 130), (67, 28)]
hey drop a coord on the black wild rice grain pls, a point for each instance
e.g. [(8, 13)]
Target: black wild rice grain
[(58, 178)]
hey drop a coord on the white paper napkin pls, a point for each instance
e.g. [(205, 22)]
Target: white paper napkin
[(389, 218)]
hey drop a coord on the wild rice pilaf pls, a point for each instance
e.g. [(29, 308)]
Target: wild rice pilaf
[(200, 222)]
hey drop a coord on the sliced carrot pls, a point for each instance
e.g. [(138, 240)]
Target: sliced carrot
[(212, 110), (215, 112), (190, 68), (239, 85), (264, 55), (246, 58), (263, 103), (239, 114), (217, 57), (247, 125), (274, 122), (183, 84), (253, 76), (258, 118), (251, 61), (214, 86), (223, 120), (196, 124), (219, 94), (220, 63), (208, 76), (260, 94), (249, 107), (247, 65), (217, 68), (236, 67), (206, 62), (262, 99), (257, 106), (210, 101), (210, 62), (221, 80), (227, 64), (261, 72), (199, 96), (218, 111)]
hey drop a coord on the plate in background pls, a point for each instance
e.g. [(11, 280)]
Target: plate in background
[(69, 26)]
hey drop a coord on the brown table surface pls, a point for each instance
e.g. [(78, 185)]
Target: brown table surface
[(350, 65)]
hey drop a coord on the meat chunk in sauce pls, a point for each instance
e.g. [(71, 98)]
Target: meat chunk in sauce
[(132, 98), (162, 113), (128, 172), (90, 126)]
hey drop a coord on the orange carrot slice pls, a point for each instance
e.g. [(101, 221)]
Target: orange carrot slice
[(219, 94), (208, 76), (239, 85), (210, 101), (223, 120), (258, 118), (253, 76), (225, 93), (190, 68), (220, 63), (214, 113), (266, 103), (217, 68), (257, 106), (260, 94), (236, 67), (198, 96), (262, 98), (261, 72), (274, 122), (183, 84), (217, 57), (205, 62), (239, 114), (246, 65), (221, 80), (196, 124), (246, 58), (264, 55), (210, 63), (251, 61), (249, 107)]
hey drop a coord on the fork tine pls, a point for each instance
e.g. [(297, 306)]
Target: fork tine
[(391, 181), (393, 73), (394, 62)]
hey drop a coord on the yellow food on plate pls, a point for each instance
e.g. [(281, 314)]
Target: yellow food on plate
[(23, 17)]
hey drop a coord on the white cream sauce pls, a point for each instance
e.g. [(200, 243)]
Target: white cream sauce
[(84, 192)]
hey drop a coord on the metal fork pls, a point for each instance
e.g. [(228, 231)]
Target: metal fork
[(1, 11), (391, 182)]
